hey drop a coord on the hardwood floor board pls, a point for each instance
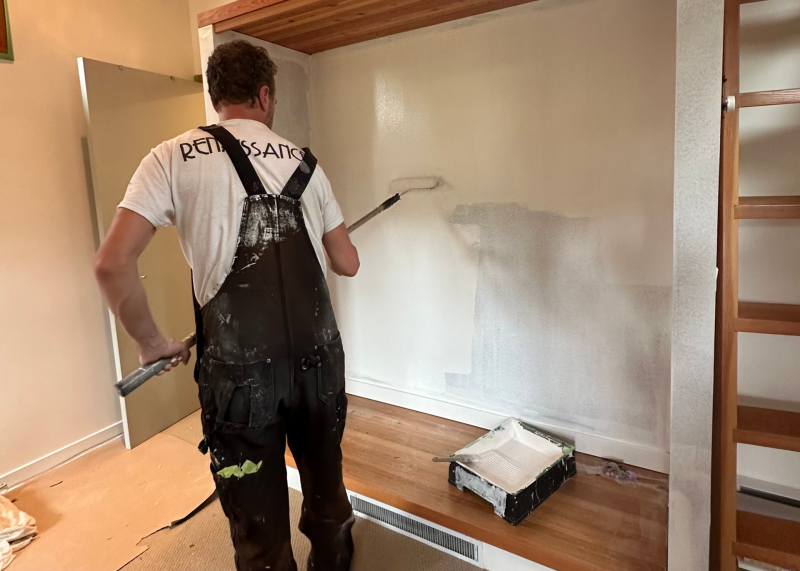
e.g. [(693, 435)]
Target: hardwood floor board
[(592, 523)]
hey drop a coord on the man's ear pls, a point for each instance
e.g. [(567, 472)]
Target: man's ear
[(263, 97)]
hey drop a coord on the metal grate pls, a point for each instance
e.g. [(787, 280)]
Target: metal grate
[(448, 541)]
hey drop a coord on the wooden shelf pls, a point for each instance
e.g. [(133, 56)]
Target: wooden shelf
[(761, 98), (768, 207), (767, 427), (773, 318), (592, 523), (312, 26), (768, 539)]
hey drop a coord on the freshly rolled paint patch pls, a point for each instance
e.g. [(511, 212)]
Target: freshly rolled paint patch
[(239, 471)]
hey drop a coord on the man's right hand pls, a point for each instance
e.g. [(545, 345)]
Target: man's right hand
[(162, 348)]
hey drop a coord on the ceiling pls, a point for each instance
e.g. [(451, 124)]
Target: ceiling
[(313, 26)]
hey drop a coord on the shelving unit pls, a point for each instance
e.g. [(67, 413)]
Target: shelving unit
[(737, 533)]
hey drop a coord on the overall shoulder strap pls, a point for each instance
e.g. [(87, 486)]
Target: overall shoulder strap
[(244, 168), (299, 180)]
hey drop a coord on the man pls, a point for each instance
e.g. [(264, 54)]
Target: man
[(255, 216)]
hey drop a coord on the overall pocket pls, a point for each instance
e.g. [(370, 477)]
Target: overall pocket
[(236, 397), (330, 370)]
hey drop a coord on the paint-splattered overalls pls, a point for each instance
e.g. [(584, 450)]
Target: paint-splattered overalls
[(271, 366)]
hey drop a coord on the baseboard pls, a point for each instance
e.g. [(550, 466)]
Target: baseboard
[(32, 469), (627, 452)]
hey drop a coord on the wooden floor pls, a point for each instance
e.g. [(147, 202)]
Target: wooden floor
[(593, 523)]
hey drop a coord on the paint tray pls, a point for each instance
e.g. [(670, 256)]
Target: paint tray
[(515, 468)]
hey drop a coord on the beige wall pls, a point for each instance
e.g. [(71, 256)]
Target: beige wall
[(769, 264), (54, 364), (537, 282)]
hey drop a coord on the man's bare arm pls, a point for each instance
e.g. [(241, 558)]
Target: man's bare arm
[(340, 250), (116, 271)]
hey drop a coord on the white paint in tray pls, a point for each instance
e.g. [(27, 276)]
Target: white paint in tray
[(511, 457)]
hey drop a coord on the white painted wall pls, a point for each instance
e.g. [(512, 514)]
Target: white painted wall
[(55, 381), (769, 264), (537, 282)]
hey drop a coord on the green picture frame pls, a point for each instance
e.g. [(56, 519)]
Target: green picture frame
[(6, 47)]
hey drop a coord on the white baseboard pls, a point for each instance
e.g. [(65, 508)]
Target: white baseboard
[(293, 479), (36, 467), (496, 559), (627, 452)]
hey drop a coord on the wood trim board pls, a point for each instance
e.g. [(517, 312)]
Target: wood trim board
[(777, 97), (768, 208), (767, 427), (768, 539)]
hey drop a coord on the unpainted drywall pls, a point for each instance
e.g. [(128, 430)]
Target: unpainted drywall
[(769, 250), (56, 382), (536, 281)]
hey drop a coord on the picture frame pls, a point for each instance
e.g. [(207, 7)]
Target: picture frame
[(6, 47)]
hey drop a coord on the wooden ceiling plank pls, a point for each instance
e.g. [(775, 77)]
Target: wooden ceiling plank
[(356, 20), (412, 22), (406, 18), (275, 10), (232, 10), (321, 14), (404, 27)]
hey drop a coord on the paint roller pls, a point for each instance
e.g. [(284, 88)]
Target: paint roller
[(399, 187)]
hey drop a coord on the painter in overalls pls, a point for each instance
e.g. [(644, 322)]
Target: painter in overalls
[(254, 213)]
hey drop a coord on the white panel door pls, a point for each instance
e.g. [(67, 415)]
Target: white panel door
[(129, 112)]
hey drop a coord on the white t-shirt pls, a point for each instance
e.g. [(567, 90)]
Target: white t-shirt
[(190, 182)]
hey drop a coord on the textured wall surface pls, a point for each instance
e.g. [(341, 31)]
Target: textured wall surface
[(55, 384), (536, 281), (697, 132)]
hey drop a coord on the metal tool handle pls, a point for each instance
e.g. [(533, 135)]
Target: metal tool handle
[(137, 378), (463, 458), (380, 208)]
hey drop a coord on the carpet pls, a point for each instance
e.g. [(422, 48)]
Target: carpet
[(203, 542)]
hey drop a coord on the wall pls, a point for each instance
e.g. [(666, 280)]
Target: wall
[(769, 264), (55, 386), (537, 281)]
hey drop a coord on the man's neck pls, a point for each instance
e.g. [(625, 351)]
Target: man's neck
[(241, 112)]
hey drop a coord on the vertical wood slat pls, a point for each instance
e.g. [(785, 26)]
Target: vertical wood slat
[(724, 492)]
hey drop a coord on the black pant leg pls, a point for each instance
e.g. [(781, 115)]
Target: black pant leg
[(256, 504), (314, 430)]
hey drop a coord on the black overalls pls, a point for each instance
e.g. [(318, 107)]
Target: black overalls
[(271, 366)]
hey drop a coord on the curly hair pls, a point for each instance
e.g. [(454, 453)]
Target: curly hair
[(236, 71)]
